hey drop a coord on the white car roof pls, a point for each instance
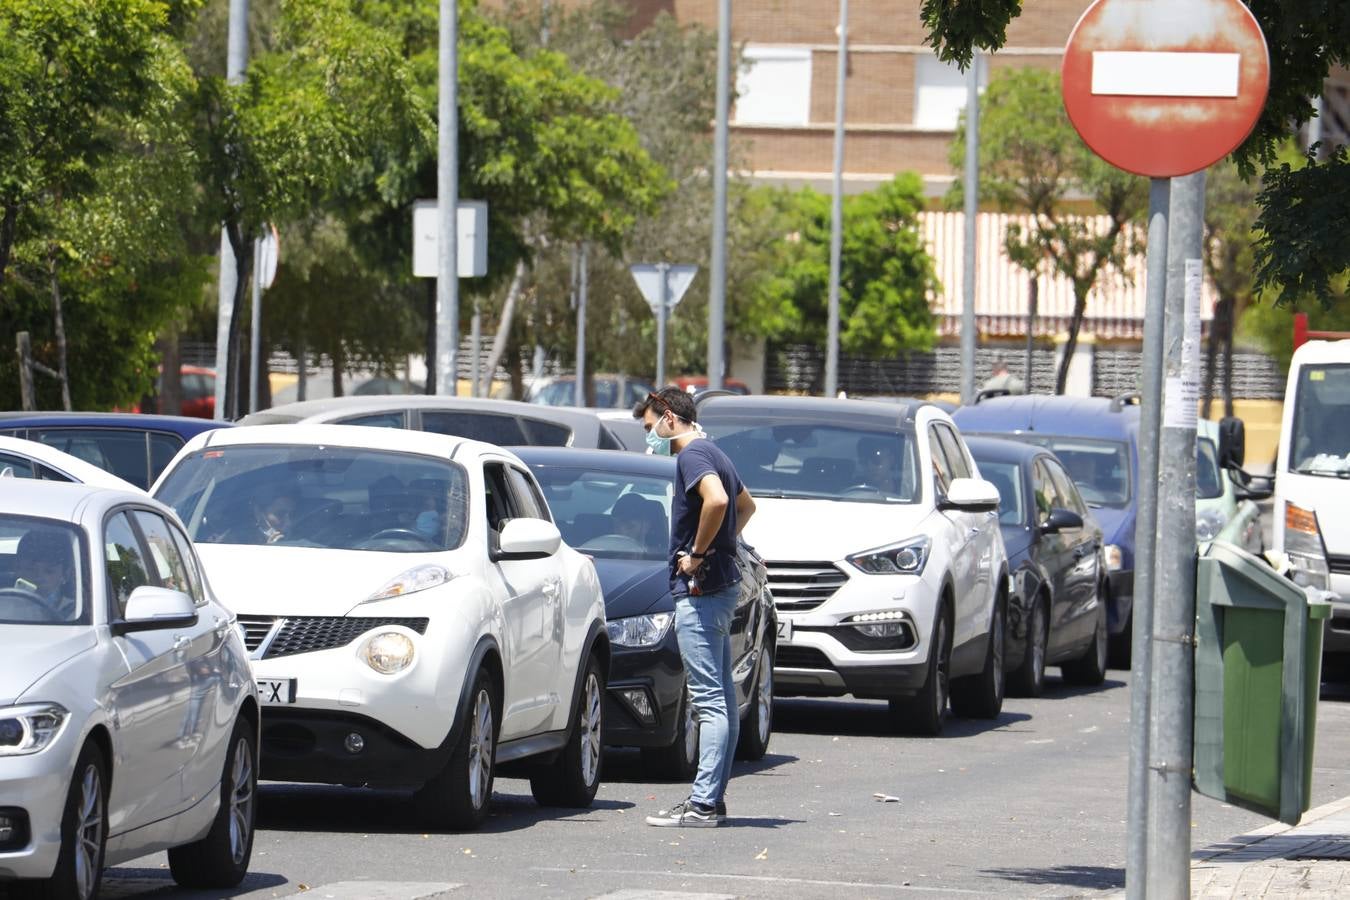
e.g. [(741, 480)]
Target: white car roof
[(395, 440), (1322, 352), (71, 466), (64, 502)]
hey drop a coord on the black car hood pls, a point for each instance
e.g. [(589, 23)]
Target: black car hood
[(1017, 539), (634, 587)]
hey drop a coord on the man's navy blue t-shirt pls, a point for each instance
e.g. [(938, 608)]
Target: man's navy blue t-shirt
[(699, 458)]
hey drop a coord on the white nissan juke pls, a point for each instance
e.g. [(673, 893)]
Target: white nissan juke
[(411, 612)]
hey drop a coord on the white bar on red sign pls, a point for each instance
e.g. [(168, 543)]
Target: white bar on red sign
[(1135, 73)]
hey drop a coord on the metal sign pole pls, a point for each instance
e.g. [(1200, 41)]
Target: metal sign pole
[(1169, 769), (255, 328), (662, 311), (236, 60), (837, 208), (582, 289), (717, 285), (972, 211), (1150, 418), (446, 369)]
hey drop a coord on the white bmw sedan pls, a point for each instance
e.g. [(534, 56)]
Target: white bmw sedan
[(128, 719), (413, 616)]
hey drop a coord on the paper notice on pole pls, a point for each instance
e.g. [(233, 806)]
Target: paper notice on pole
[(1181, 394)]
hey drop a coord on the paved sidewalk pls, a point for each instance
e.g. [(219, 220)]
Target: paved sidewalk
[(1310, 860)]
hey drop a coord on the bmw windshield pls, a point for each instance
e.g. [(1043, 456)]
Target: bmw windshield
[(42, 576), (810, 459), (337, 498)]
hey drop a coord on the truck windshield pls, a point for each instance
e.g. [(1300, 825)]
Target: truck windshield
[(1320, 444)]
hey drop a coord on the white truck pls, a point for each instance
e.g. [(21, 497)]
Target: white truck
[(1312, 484)]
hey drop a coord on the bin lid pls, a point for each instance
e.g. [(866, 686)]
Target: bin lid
[(1259, 573)]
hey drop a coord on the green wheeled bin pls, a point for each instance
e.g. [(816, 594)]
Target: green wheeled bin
[(1258, 669)]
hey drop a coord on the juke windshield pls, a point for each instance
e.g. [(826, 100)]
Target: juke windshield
[(814, 460), (337, 498)]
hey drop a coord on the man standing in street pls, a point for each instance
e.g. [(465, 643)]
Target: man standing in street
[(708, 511)]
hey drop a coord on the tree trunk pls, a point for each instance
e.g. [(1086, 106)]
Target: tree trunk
[(170, 401), (1033, 296), (1229, 326), (60, 324), (504, 325), (1071, 345), (1211, 354), (243, 257), (7, 225), (339, 363)]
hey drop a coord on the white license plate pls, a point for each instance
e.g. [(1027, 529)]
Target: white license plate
[(784, 631), (276, 691)]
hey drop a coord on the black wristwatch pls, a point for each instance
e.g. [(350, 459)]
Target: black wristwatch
[(698, 555)]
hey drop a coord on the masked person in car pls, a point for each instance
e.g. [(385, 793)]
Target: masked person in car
[(709, 508), (269, 517)]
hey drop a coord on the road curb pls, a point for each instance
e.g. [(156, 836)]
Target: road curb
[(1247, 840)]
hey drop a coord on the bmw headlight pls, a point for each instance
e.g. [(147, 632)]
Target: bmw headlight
[(639, 631), (1115, 557), (905, 558), (418, 578), (1208, 524), (388, 652), (31, 728)]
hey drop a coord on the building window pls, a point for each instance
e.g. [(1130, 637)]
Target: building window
[(774, 86), (940, 92)]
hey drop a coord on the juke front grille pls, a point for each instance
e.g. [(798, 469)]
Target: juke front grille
[(800, 586), (307, 634)]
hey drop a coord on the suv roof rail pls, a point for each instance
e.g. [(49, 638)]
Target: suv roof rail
[(701, 396), (1120, 401)]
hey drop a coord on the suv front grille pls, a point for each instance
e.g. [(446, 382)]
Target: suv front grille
[(799, 586), (790, 657), (255, 629), (307, 634)]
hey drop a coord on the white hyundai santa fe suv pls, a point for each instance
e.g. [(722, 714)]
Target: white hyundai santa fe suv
[(883, 548), (411, 612)]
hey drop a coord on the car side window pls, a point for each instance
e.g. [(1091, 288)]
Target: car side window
[(956, 454), (163, 448), (170, 571), (1068, 494), (1043, 492), (494, 428), (497, 496), (942, 472), (190, 566), (546, 434), (376, 420), (527, 497), (123, 452), (127, 568), (16, 467)]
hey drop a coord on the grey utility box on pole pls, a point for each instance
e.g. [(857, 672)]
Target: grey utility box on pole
[(1258, 667)]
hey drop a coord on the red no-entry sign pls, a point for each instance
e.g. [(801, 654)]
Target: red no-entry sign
[(1163, 87)]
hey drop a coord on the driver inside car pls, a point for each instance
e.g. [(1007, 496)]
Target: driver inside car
[(878, 465), (44, 565), (642, 520), (271, 510)]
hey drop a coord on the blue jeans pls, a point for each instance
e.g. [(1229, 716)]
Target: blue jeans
[(703, 629)]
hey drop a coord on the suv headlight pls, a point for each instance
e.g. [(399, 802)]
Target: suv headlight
[(905, 558), (1115, 557), (1303, 545), (418, 578), (1208, 524), (639, 631), (30, 728), (388, 652)]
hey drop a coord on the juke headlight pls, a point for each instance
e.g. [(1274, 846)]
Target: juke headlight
[(905, 558), (30, 728), (639, 631), (388, 652), (418, 578)]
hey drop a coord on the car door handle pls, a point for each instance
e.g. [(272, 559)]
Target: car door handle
[(1080, 553), (181, 642), (551, 589)]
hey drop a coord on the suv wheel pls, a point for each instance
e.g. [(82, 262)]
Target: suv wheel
[(926, 712), (457, 798), (1090, 668), (573, 777), (980, 696), (757, 728), (679, 761), (1029, 678)]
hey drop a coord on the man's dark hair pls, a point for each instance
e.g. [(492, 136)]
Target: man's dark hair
[(671, 398)]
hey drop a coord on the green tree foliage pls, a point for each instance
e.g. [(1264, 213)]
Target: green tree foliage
[(1303, 247), (1031, 160), (886, 276)]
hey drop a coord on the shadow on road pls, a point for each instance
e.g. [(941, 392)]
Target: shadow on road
[(1058, 688), (867, 718), (140, 882), (324, 808), (625, 767), (1099, 877)]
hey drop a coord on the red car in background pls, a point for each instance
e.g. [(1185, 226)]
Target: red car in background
[(697, 384), (199, 394)]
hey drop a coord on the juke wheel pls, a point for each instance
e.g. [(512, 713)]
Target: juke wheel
[(573, 777), (457, 797), (220, 860)]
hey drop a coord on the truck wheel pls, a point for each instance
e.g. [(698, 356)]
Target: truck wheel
[(572, 779)]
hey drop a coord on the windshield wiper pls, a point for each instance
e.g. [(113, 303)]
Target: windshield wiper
[(1323, 473)]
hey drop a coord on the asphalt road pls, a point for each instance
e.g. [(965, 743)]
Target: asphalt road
[(1030, 805)]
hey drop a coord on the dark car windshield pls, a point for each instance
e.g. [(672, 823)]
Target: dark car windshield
[(42, 580), (1100, 468), (338, 498), (816, 460), (609, 514)]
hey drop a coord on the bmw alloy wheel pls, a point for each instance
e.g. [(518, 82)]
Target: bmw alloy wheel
[(590, 730), (89, 832), (480, 750), (242, 786)]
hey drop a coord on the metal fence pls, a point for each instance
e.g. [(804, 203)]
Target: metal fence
[(1255, 375)]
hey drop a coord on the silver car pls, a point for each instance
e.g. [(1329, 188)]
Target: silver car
[(128, 715)]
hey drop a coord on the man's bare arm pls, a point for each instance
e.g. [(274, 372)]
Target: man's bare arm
[(745, 508), (715, 503)]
